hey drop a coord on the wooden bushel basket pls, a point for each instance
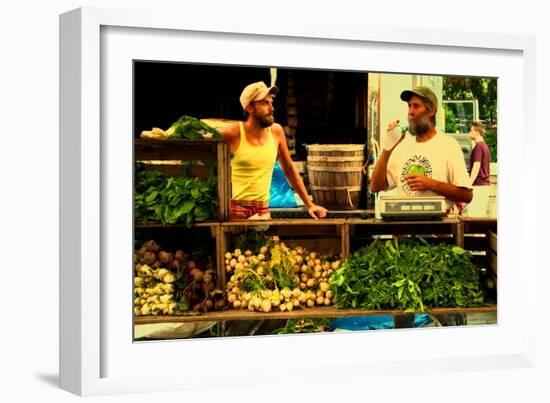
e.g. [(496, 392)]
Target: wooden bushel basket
[(335, 173)]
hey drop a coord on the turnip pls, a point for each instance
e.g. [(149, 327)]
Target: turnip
[(310, 283), (236, 304), (145, 309), (256, 302), (260, 257), (282, 307), (303, 286), (320, 293), (289, 306), (266, 305), (207, 278), (286, 293), (237, 252), (327, 301), (329, 294), (228, 255), (241, 259), (250, 307), (320, 301), (310, 303), (323, 286)]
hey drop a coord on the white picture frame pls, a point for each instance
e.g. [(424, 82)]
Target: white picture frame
[(95, 352)]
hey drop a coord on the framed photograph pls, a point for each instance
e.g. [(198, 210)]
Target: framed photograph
[(103, 52)]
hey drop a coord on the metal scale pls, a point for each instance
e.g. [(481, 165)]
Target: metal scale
[(412, 208)]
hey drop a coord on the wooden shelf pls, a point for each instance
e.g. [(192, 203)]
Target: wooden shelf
[(321, 312), (202, 150), (183, 226)]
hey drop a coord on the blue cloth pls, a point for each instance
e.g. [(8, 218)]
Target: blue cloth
[(280, 193), (373, 322)]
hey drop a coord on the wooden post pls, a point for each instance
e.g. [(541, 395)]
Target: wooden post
[(458, 233)]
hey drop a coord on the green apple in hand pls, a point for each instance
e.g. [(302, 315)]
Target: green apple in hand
[(416, 169)]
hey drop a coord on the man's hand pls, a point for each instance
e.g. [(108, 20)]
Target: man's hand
[(417, 182), (316, 211), (393, 136)]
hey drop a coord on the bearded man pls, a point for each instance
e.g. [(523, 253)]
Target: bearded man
[(424, 163), (256, 143)]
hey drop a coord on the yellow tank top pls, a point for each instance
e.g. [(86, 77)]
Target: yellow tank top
[(252, 168)]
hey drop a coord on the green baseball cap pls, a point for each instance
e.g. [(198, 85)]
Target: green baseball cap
[(422, 92)]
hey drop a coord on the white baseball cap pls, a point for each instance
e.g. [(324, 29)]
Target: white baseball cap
[(256, 92)]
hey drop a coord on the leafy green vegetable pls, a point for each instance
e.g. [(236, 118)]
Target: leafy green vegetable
[(173, 200), (187, 127), (293, 326), (407, 274)]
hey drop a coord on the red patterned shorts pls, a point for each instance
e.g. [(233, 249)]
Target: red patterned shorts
[(243, 209)]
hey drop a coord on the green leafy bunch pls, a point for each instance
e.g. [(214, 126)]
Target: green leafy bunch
[(188, 127), (407, 274), (294, 326), (173, 199)]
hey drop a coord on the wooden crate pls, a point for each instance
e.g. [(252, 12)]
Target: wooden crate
[(166, 156), (205, 235)]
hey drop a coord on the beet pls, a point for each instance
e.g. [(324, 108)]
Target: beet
[(149, 258), (152, 246), (219, 305), (191, 265), (180, 255), (208, 305), (176, 264), (197, 274), (197, 307), (164, 257), (141, 251)]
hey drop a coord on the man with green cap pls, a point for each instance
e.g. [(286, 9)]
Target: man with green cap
[(424, 163)]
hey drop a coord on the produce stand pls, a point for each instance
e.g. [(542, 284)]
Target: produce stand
[(337, 235), (318, 312)]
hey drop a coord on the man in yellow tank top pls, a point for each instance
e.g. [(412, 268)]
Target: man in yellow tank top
[(256, 144)]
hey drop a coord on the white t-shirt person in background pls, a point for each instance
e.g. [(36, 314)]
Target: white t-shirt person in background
[(426, 163)]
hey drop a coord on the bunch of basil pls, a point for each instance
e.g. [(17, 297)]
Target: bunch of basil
[(407, 274), (173, 199)]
